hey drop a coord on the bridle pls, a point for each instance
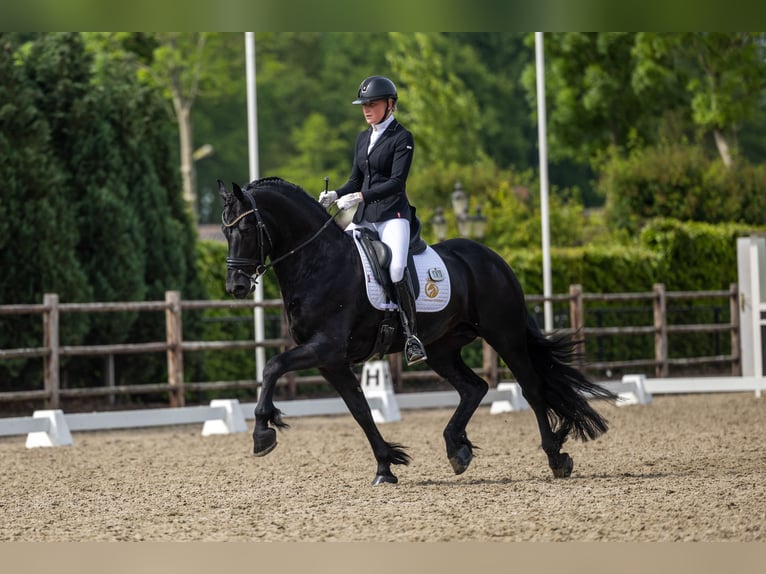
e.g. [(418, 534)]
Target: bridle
[(238, 264)]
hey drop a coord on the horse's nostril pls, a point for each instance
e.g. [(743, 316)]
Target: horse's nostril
[(240, 291)]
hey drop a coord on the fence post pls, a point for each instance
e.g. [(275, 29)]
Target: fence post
[(489, 364), (51, 343), (659, 304), (284, 331), (395, 367), (577, 320), (736, 354), (174, 339)]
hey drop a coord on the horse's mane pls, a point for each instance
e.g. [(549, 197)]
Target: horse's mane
[(291, 190)]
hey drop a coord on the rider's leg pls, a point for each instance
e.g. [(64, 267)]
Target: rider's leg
[(414, 350), (396, 234)]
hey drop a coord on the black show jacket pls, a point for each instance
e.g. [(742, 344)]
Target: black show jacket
[(381, 176)]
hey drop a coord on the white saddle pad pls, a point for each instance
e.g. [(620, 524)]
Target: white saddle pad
[(433, 278)]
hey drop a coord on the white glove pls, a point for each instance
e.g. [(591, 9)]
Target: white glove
[(327, 197), (350, 200)]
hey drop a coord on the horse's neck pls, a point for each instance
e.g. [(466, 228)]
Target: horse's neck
[(319, 267), (307, 249)]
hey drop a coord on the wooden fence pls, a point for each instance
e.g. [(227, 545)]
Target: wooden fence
[(174, 346)]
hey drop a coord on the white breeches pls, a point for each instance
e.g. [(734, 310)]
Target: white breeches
[(396, 234)]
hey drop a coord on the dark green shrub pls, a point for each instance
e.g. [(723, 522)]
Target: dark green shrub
[(681, 182)]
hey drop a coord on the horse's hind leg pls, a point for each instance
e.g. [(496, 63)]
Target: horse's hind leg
[(517, 359), (446, 361), (345, 382), (560, 463)]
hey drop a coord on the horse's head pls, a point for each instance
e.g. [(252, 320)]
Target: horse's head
[(248, 239)]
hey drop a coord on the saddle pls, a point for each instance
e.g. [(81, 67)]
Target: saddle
[(379, 256)]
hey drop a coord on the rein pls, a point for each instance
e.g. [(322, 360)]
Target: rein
[(237, 263)]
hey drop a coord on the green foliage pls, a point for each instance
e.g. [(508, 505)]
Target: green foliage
[(38, 230), (94, 212), (611, 90), (490, 65), (222, 324), (696, 256), (681, 182), (436, 105), (682, 256), (719, 74), (320, 152), (601, 269), (591, 105), (92, 155)]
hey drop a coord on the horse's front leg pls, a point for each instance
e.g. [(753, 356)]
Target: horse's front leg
[(346, 383), (266, 414)]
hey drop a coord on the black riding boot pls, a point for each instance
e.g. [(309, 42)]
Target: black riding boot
[(414, 350)]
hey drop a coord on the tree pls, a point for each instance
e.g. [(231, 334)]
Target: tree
[(491, 65), (94, 211), (92, 127), (723, 74), (184, 66), (38, 233), (591, 106), (436, 105)]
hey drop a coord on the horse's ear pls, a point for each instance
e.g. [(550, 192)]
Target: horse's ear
[(238, 193), (222, 191)]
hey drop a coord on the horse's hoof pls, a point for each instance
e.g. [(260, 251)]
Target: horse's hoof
[(461, 460), (384, 479), (264, 441), (565, 470)]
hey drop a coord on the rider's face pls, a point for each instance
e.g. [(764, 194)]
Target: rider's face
[(374, 111)]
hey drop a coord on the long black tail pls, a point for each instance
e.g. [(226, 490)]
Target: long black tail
[(566, 390)]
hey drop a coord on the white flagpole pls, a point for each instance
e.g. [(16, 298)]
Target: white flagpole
[(252, 142), (543, 144)]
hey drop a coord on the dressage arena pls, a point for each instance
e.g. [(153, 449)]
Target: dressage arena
[(683, 468)]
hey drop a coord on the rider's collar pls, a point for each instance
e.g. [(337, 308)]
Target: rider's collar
[(382, 126)]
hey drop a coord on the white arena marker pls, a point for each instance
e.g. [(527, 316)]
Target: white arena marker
[(379, 391), (514, 402), (57, 434), (232, 420), (635, 392)]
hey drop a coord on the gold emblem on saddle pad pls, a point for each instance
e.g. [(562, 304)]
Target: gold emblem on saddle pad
[(431, 289)]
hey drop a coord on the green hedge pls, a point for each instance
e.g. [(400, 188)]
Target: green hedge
[(681, 255), (684, 256), (682, 182)]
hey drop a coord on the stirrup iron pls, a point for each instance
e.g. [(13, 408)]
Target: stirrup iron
[(414, 351)]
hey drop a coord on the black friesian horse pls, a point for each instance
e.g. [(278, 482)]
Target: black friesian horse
[(334, 326)]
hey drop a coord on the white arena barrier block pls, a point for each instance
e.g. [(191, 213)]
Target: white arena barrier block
[(376, 384), (635, 393), (516, 402), (233, 420), (57, 434)]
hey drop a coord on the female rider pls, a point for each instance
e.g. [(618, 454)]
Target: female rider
[(377, 186)]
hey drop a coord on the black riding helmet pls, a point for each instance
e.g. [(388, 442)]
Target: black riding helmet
[(375, 88)]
